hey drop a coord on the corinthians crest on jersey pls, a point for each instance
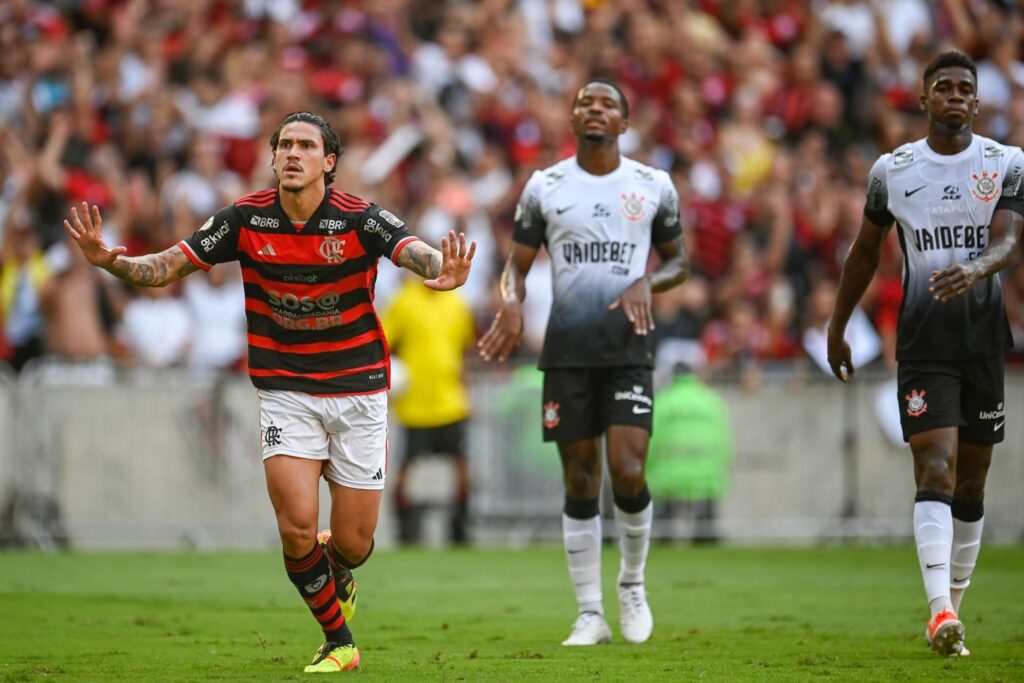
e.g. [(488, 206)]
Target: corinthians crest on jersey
[(985, 187), (633, 207)]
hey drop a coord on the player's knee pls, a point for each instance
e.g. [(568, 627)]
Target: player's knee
[(628, 476), (933, 465), (970, 487), (935, 473), (580, 484), (354, 544), (296, 538)]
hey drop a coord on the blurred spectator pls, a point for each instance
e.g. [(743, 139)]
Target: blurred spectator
[(430, 332), (156, 328), (690, 454), (81, 306), (216, 306), (24, 273), (744, 146), (860, 333), (735, 344), (199, 189), (457, 207), (999, 76)]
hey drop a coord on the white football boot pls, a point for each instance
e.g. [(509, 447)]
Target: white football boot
[(590, 629), (635, 619)]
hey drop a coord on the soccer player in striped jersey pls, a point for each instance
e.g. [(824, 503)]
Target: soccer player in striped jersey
[(599, 214), (317, 353), (957, 202)]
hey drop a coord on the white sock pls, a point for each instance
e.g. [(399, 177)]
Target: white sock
[(933, 531), (582, 539), (634, 542), (966, 544)]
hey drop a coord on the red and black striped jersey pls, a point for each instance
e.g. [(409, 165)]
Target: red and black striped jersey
[(308, 289)]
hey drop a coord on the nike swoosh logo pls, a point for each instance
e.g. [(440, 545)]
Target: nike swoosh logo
[(962, 580), (933, 566), (997, 425), (907, 193), (563, 210), (637, 410), (573, 552)]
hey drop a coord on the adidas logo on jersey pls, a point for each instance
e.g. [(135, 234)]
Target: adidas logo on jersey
[(267, 250)]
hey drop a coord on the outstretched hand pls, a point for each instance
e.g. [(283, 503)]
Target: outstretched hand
[(635, 302), (456, 260), (86, 231)]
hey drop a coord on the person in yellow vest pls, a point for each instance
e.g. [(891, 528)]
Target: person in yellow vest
[(24, 272), (430, 332)]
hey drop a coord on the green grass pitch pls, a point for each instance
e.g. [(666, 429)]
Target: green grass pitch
[(835, 613)]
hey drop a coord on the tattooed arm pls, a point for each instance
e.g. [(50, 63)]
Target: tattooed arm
[(443, 270), (421, 258), (151, 270)]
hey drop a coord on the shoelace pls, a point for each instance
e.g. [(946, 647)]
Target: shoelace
[(325, 649), (635, 599)]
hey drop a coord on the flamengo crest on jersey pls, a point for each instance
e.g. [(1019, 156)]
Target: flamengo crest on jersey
[(598, 231), (309, 290), (943, 207)]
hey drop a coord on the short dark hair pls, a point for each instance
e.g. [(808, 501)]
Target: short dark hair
[(331, 138), (946, 60), (611, 84)]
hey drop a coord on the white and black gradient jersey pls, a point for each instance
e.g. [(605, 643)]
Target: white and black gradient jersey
[(598, 231), (943, 206)]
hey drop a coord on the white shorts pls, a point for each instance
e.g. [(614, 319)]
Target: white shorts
[(350, 432)]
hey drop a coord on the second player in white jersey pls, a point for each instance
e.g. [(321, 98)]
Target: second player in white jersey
[(943, 206), (598, 231), (956, 197), (600, 215)]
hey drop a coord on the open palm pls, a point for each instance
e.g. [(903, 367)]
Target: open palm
[(87, 231), (456, 259)]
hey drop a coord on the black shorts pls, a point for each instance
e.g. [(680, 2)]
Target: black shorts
[(967, 394), (449, 440), (581, 403)]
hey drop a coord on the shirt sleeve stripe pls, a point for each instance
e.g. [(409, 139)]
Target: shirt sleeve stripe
[(402, 245), (193, 257)]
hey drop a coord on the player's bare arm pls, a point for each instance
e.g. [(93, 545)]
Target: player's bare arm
[(635, 301), (1001, 252), (445, 269), (858, 269), (507, 329), (151, 270)]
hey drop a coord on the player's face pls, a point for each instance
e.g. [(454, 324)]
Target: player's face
[(952, 97), (597, 113), (299, 157)]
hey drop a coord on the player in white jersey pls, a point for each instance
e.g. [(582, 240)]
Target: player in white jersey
[(599, 214), (957, 201)]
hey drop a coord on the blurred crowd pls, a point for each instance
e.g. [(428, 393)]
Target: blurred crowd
[(767, 113)]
